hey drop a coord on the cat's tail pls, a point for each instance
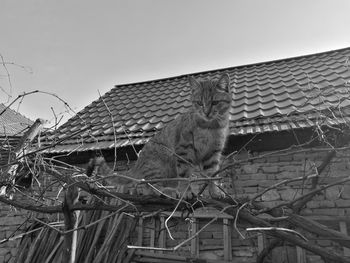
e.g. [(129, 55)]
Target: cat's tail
[(122, 183), (98, 168)]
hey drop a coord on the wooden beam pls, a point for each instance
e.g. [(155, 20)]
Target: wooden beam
[(70, 198), (152, 233), (261, 244), (140, 232), (301, 256), (195, 241), (226, 227), (162, 234)]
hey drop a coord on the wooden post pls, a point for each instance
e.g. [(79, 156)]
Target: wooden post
[(162, 234), (75, 237), (261, 245), (301, 256), (195, 241), (153, 233), (227, 239), (140, 232), (70, 198), (344, 230)]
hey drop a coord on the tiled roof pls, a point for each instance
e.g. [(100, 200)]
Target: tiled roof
[(271, 96), (12, 123)]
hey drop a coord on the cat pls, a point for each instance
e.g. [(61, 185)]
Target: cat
[(190, 146)]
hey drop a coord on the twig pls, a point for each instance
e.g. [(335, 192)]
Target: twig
[(276, 229), (317, 190), (287, 181), (19, 236), (236, 218), (172, 213)]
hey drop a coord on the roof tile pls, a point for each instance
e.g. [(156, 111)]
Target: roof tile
[(12, 123), (270, 96)]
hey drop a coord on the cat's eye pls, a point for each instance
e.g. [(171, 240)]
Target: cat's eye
[(215, 102), (199, 103)]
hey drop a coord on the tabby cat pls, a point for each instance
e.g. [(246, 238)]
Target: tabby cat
[(190, 145)]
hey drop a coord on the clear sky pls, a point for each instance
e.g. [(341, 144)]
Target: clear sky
[(78, 48)]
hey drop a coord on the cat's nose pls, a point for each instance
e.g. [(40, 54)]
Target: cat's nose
[(207, 112)]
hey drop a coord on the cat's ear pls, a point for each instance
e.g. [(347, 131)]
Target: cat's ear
[(193, 82), (224, 82)]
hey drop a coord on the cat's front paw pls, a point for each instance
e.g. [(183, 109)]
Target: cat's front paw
[(215, 191)]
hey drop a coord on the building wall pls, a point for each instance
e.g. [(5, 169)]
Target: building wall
[(330, 207), (14, 221), (245, 178), (7, 144), (10, 218)]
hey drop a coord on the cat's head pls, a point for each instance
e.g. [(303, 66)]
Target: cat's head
[(211, 99)]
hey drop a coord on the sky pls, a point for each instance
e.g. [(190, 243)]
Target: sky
[(73, 51)]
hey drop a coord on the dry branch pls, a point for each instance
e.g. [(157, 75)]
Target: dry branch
[(9, 174), (328, 255), (133, 203), (302, 202), (319, 229), (255, 221)]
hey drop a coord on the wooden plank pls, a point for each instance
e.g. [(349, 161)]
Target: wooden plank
[(227, 239), (162, 234), (162, 256), (152, 233), (261, 244), (301, 256), (196, 214), (149, 256), (140, 232), (344, 230), (222, 216), (195, 241), (158, 260)]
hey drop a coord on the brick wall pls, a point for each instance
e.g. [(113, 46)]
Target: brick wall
[(14, 222), (251, 177), (245, 179), (10, 220), (331, 207)]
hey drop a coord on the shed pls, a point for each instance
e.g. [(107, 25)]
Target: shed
[(12, 127), (288, 117)]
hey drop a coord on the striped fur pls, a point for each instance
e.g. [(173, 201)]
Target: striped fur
[(191, 144)]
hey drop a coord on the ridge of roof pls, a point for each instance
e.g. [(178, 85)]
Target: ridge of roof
[(15, 112), (14, 121), (232, 67)]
